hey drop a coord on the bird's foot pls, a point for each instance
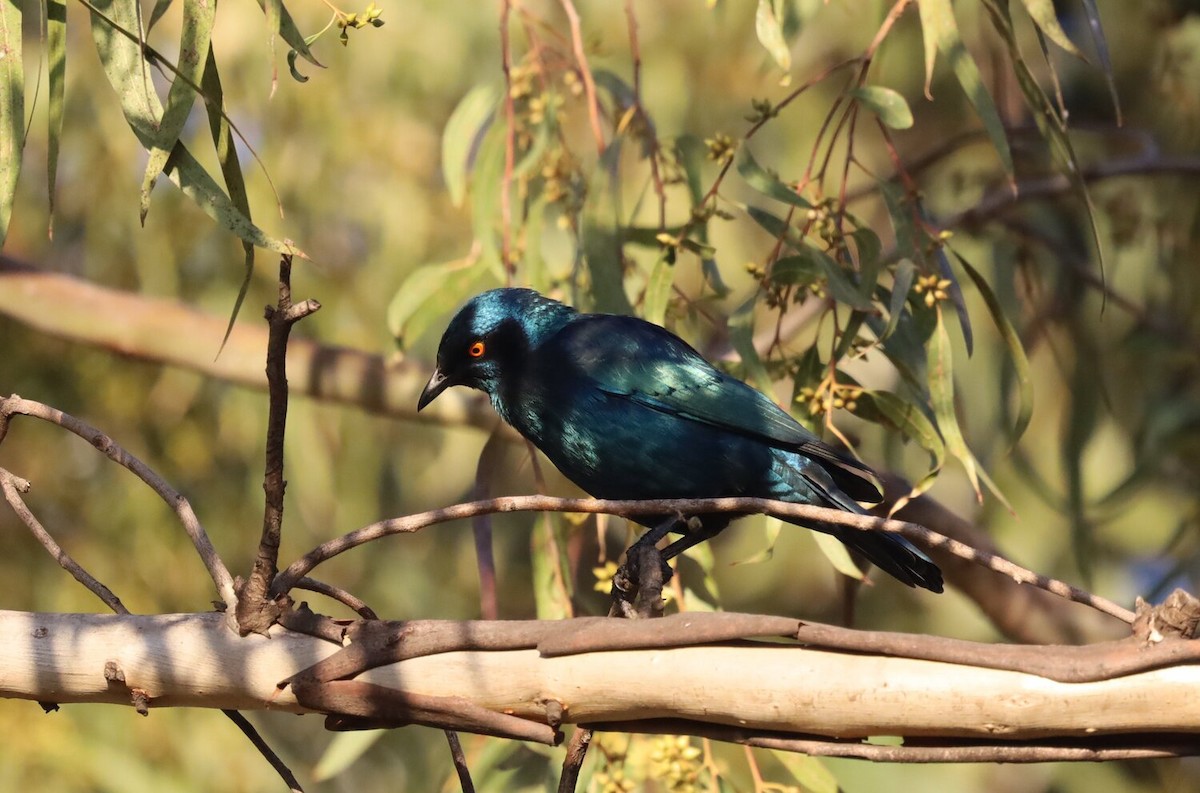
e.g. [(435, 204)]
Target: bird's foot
[(638, 584)]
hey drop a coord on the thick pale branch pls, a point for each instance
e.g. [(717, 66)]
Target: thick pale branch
[(796, 693)]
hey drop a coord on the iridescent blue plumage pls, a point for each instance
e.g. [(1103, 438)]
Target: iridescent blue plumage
[(627, 410)]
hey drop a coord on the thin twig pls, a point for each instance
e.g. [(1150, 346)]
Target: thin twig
[(255, 612), (13, 486), (506, 252), (280, 767), (589, 82), (355, 604), (15, 405), (635, 54), (577, 748), (740, 505), (460, 762)]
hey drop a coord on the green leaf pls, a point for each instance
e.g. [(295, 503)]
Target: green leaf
[(690, 153), (1097, 33), (840, 286), (885, 103), (769, 28), (161, 7), (902, 281), (884, 407), (1043, 14), (121, 56), (601, 248), (938, 23), (957, 299), (773, 527), (427, 295), (741, 336), (12, 108), (56, 57), (658, 290), (870, 265), (551, 568), (809, 772), (1049, 123), (796, 271), (766, 183), (343, 751), (464, 129), (290, 33), (198, 17), (837, 555), (1012, 339)]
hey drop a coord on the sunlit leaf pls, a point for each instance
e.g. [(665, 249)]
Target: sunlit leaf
[(427, 296), (461, 138), (161, 7), (56, 57), (290, 33), (1012, 339), (884, 407), (954, 290), (690, 152), (196, 31), (773, 526), (885, 103), (550, 569), (938, 23), (809, 772), (765, 182), (769, 28), (343, 751), (840, 286), (12, 109), (1043, 14), (658, 290), (837, 555)]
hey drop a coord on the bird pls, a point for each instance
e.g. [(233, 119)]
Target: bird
[(626, 409)]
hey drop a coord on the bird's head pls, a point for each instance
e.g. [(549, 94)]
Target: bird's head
[(490, 337)]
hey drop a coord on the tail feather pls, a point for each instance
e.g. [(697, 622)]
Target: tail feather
[(895, 556)]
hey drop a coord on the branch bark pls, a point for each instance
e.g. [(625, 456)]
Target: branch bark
[(796, 694)]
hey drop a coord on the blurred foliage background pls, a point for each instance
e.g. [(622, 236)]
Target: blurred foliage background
[(384, 163)]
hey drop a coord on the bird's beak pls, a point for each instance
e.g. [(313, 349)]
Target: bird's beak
[(436, 385)]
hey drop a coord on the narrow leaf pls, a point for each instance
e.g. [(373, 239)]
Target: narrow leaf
[(1101, 43), (198, 17), (769, 29), (291, 34), (902, 281), (810, 772), (1043, 14), (938, 23), (889, 105), (840, 286), (883, 407), (343, 751), (12, 108), (658, 290), (795, 271), (426, 296), (602, 243), (837, 555), (741, 336), (461, 137), (941, 392), (1012, 339), (56, 56), (161, 7), (765, 182), (956, 298)]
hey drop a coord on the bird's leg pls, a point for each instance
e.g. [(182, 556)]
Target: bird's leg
[(638, 583), (697, 533)]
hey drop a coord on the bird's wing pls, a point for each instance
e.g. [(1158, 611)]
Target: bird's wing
[(637, 360)]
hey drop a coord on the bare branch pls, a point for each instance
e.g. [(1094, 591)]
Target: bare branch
[(265, 750), (788, 511), (576, 753), (352, 602), (13, 487), (460, 762), (15, 405)]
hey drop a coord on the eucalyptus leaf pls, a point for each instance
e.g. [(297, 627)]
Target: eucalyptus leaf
[(887, 104), (461, 138), (12, 108)]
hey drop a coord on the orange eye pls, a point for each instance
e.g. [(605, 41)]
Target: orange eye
[(476, 350)]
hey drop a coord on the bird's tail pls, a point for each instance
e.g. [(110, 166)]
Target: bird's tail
[(893, 555)]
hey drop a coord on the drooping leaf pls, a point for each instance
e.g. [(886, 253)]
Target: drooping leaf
[(769, 27), (885, 103), (658, 289), (838, 555), (809, 772), (690, 152), (765, 182), (161, 7), (773, 527), (196, 32), (56, 57), (796, 271), (12, 109), (903, 223), (1044, 16), (1049, 123), (741, 336), (1098, 39), (954, 290), (343, 751), (840, 286), (291, 34), (870, 263), (461, 138), (1012, 339), (907, 418), (941, 393), (938, 23), (427, 295), (902, 281), (602, 245)]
